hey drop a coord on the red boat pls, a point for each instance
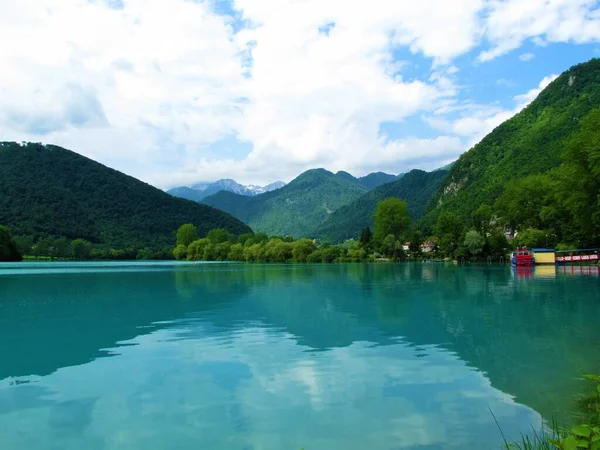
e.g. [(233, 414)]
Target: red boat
[(522, 256)]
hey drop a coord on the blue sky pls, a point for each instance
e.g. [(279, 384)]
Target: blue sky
[(177, 92)]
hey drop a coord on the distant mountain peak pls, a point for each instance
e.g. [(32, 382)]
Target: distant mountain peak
[(344, 174), (375, 179), (294, 209), (197, 192), (274, 185)]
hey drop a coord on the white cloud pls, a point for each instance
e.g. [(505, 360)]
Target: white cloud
[(476, 121), (148, 88), (525, 99), (525, 57), (511, 22), (392, 157), (290, 389)]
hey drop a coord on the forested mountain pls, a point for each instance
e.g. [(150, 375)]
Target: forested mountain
[(295, 209), (200, 191), (375, 179), (370, 181), (532, 142), (416, 188), (268, 188), (47, 190), (188, 193)]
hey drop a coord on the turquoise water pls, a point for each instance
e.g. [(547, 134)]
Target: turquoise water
[(253, 357)]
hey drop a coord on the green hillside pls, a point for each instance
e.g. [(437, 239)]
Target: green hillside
[(416, 188), (370, 181), (532, 142), (47, 190), (375, 179), (187, 193), (297, 208)]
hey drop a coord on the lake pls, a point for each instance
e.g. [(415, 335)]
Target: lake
[(275, 357)]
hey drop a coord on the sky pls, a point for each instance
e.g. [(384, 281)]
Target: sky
[(176, 92)]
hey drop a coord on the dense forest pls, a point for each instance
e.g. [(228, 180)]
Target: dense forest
[(372, 180), (47, 192), (415, 187), (392, 223), (537, 173), (393, 238), (532, 142), (188, 193), (295, 209)]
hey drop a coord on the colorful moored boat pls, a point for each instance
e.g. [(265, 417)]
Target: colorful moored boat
[(522, 256)]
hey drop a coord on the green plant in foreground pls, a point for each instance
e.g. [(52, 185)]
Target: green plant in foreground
[(585, 435), (580, 437)]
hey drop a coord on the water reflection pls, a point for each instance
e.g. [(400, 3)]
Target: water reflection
[(326, 357)]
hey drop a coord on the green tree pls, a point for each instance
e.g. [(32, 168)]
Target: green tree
[(389, 245), (391, 217), (399, 250), (532, 237), (243, 238), (209, 252), (44, 246), (448, 229), (8, 247), (221, 251), (325, 254), (482, 218), (62, 248), (524, 202), (474, 242), (259, 238), (81, 249), (186, 234), (416, 239), (219, 235), (357, 254), (180, 252), (24, 244), (236, 252), (302, 248), (115, 253), (145, 253), (498, 244), (254, 253), (195, 251), (277, 250), (349, 243), (99, 253), (579, 178), (365, 238)]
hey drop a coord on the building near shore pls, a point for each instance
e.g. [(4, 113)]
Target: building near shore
[(544, 255)]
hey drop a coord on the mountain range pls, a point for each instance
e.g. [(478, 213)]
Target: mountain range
[(47, 190), (372, 180), (199, 191), (294, 209), (315, 202), (534, 141), (416, 188)]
